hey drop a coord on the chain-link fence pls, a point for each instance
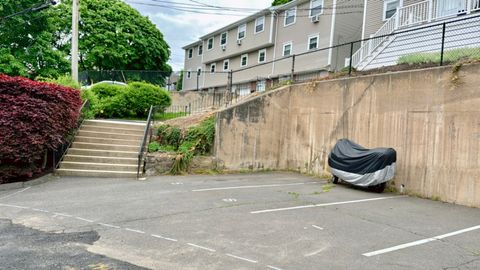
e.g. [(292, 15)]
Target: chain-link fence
[(165, 79)]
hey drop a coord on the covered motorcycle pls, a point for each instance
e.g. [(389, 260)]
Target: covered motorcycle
[(361, 166)]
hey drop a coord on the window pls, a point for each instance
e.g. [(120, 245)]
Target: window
[(290, 16), (242, 29), (261, 85), (244, 60), (313, 43), (199, 71), (212, 68), (223, 38), (210, 43), (316, 7), (259, 24), (189, 74), (262, 55), (226, 65), (390, 8), (200, 49), (190, 53), (287, 49)]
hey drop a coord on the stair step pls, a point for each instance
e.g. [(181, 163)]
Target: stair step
[(98, 166), (115, 130), (96, 134), (98, 146), (96, 173), (98, 159), (102, 153), (115, 124), (107, 141)]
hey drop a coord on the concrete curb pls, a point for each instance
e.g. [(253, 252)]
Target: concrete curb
[(38, 181)]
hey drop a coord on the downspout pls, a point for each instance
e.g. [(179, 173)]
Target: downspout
[(364, 19), (332, 31), (204, 67), (274, 14)]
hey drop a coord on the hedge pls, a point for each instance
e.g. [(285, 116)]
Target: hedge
[(34, 117)]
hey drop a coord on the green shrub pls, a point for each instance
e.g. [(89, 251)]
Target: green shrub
[(156, 147), (169, 135), (153, 147), (105, 90), (65, 80), (184, 157), (92, 98), (140, 96), (203, 135)]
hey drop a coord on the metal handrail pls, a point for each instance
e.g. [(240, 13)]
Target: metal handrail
[(81, 119), (144, 142)]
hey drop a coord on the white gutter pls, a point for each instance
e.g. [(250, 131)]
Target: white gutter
[(332, 30), (274, 14), (364, 19), (204, 67), (271, 27)]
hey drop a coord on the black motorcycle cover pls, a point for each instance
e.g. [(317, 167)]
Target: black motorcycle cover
[(361, 166)]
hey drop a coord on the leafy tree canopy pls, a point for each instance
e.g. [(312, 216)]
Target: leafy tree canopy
[(27, 42), (112, 35), (280, 2)]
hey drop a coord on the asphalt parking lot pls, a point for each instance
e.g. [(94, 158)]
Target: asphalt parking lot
[(246, 221)]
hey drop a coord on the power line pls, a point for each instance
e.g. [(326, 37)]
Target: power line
[(36, 7)]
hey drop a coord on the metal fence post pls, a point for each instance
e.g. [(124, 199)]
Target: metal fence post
[(351, 60), (292, 75), (443, 43)]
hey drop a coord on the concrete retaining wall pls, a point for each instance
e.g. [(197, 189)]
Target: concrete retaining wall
[(431, 117)]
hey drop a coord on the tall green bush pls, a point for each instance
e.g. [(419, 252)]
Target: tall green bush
[(140, 96), (105, 90)]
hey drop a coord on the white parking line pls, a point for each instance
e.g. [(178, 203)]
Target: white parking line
[(241, 258), (165, 238), (61, 214), (10, 195), (14, 206), (135, 231), (201, 247), (273, 267), (317, 227), (255, 186), (40, 210), (84, 219), (419, 242), (324, 204), (109, 225)]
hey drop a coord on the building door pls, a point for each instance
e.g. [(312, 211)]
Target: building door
[(451, 7)]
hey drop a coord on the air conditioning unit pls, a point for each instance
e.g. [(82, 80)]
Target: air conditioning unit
[(224, 47), (315, 19), (239, 42)]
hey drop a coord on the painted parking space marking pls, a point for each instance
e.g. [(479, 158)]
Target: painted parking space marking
[(108, 225), (419, 242), (317, 227), (241, 258), (253, 186), (84, 219), (15, 193), (135, 231), (324, 204), (229, 200), (164, 238), (14, 206), (201, 247), (40, 210), (273, 267), (55, 214)]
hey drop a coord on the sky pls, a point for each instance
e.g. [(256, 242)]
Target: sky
[(181, 28)]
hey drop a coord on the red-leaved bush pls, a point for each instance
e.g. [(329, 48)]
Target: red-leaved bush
[(34, 117)]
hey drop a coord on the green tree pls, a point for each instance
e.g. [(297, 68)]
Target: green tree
[(180, 81), (27, 42), (113, 36), (280, 2)]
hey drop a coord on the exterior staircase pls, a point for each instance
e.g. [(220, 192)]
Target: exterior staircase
[(104, 149)]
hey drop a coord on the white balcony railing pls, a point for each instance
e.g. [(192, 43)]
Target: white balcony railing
[(474, 5)]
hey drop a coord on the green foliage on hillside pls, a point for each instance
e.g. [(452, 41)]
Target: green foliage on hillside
[(280, 2)]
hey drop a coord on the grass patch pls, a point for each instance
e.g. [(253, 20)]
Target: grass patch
[(294, 194), (164, 116), (449, 56), (327, 188)]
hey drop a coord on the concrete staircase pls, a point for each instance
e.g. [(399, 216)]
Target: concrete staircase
[(104, 149)]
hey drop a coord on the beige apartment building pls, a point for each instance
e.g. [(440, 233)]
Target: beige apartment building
[(259, 49)]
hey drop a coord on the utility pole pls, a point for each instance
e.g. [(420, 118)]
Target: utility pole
[(75, 15)]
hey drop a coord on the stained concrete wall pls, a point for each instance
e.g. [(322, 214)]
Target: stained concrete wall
[(431, 117), (198, 100)]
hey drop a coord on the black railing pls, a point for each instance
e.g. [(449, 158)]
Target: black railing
[(59, 153), (147, 137)]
